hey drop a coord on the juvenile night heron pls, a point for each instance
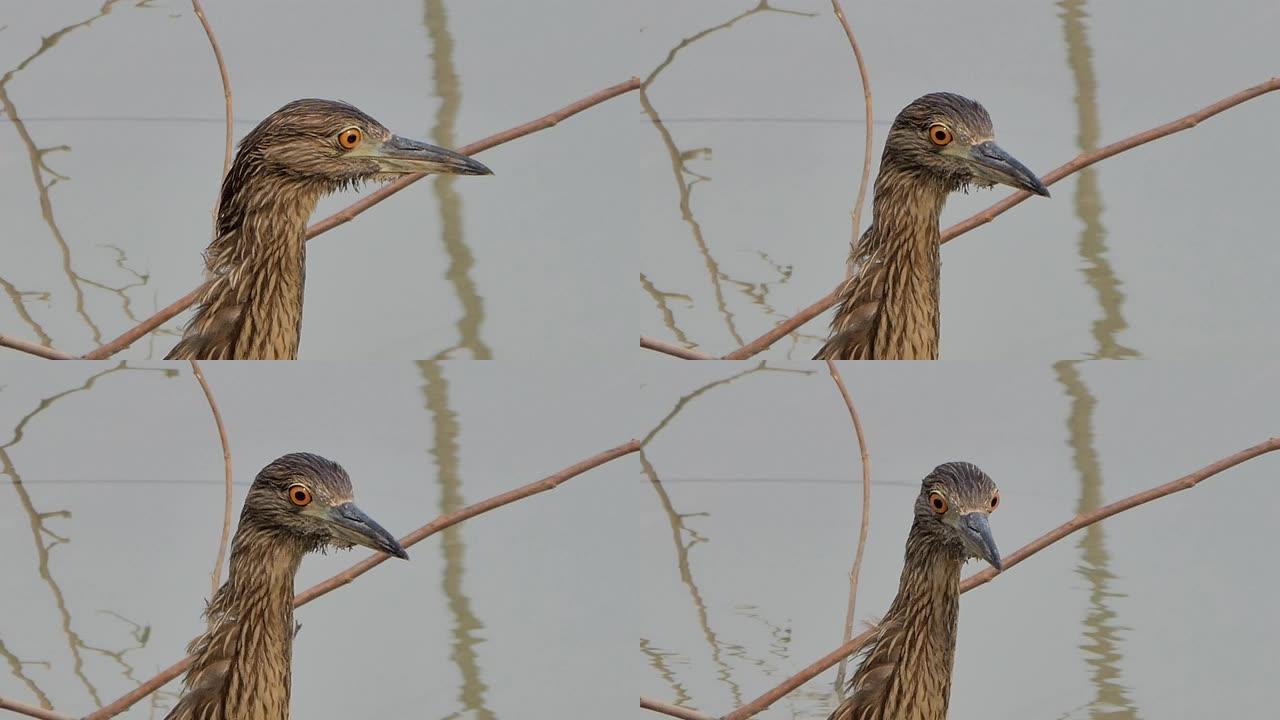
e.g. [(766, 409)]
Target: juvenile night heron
[(298, 504), (906, 670), (251, 307), (888, 309)]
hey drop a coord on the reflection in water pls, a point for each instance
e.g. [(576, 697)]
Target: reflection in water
[(1088, 199), (449, 89), (444, 449), (686, 179), (1102, 637), (719, 647), (46, 540), (45, 178)]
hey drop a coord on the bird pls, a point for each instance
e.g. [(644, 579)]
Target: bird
[(250, 307), (888, 307), (298, 504), (906, 669)]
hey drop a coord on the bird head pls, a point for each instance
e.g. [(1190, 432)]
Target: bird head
[(335, 143), (950, 137), (308, 499), (954, 505)]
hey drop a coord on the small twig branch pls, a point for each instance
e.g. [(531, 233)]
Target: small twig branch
[(673, 350), (32, 711), (866, 152), (216, 576), (673, 710), (1078, 522), (346, 576), (1186, 122), (862, 527), (226, 85), (342, 216)]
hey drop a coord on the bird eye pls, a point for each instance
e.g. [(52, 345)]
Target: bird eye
[(995, 500), (350, 138), (299, 495), (938, 501), (940, 134)]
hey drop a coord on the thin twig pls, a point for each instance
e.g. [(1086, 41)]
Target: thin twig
[(1078, 522), (216, 576), (673, 350), (866, 152), (793, 323), (226, 86), (346, 215), (346, 576), (673, 710), (32, 711), (862, 528)]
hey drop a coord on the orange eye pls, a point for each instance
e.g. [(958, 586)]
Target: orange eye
[(995, 500), (300, 495), (350, 138), (940, 134), (938, 501)]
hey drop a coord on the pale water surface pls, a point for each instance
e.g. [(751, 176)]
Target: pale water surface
[(1165, 611), (111, 508)]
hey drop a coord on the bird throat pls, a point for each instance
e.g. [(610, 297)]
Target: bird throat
[(251, 306), (889, 309), (241, 669), (907, 672)]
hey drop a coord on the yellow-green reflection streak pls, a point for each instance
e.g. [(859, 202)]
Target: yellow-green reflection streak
[(678, 531), (39, 168), (15, 666), (1088, 199), (39, 532), (444, 449), (682, 173), (660, 299), (1102, 635), (658, 661), (448, 88)]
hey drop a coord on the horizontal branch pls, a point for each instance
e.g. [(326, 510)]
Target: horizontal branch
[(673, 710), (346, 576), (1186, 122), (31, 710), (683, 353), (339, 218), (1078, 522)]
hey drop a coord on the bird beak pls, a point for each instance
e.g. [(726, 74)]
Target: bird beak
[(991, 163), (400, 155), (976, 532), (350, 524)]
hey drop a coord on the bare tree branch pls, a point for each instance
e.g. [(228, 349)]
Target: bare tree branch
[(862, 527), (673, 710), (673, 350), (346, 576), (216, 576)]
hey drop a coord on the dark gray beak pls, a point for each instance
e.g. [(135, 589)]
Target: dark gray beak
[(993, 164), (402, 155), (977, 537), (350, 524)]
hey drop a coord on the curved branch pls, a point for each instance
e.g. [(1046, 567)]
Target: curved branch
[(216, 575), (346, 576), (226, 85), (866, 151)]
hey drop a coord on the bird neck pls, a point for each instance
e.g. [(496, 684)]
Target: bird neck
[(907, 672), (251, 307), (241, 669), (900, 267)]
